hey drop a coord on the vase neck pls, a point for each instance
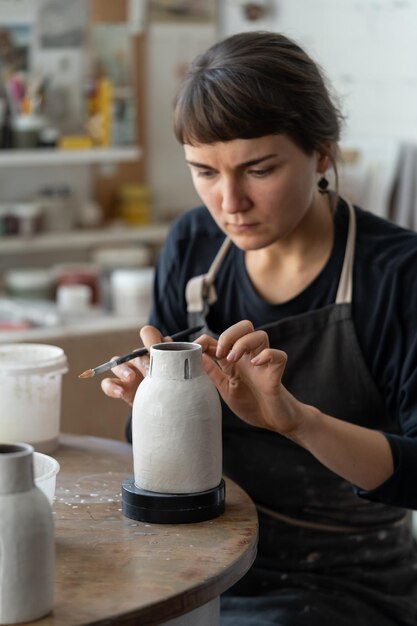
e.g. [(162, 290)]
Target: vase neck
[(16, 468), (176, 361)]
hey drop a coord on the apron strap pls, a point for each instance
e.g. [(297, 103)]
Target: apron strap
[(200, 292), (344, 290)]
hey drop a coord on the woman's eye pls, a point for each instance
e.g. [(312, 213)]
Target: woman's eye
[(205, 173), (261, 173)]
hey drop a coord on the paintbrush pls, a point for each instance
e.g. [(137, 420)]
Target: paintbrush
[(183, 334)]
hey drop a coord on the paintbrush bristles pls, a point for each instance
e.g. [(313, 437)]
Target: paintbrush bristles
[(87, 374)]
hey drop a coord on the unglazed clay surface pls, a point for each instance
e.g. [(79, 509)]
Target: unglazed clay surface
[(177, 443), (26, 540)]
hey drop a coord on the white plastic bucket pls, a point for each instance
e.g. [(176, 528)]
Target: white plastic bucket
[(30, 397)]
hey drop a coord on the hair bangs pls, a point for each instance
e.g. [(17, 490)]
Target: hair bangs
[(212, 112)]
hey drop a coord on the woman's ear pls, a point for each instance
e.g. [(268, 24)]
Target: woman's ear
[(323, 161)]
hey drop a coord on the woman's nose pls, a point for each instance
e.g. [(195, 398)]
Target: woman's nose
[(234, 198)]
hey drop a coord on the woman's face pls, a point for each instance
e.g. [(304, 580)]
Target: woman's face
[(259, 191)]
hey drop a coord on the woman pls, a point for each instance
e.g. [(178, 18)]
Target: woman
[(326, 442)]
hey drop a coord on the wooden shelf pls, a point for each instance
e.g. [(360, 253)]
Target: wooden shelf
[(92, 325), (77, 240), (56, 156)]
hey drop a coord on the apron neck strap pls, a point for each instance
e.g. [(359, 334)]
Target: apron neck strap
[(218, 260), (200, 292), (344, 290)]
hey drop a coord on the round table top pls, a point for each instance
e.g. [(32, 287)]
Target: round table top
[(110, 567)]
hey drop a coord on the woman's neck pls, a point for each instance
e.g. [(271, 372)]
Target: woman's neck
[(285, 268)]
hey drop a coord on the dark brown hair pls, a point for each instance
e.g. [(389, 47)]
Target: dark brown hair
[(254, 84)]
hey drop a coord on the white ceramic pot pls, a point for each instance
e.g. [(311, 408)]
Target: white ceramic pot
[(176, 427), (26, 539)]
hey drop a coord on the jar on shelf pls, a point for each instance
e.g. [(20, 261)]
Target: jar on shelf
[(26, 130), (29, 283), (28, 217), (78, 274), (133, 204), (132, 291), (3, 220), (58, 207), (74, 303), (109, 260), (9, 220)]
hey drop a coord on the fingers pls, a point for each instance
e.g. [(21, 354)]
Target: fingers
[(240, 339), (129, 375), (270, 356), (208, 344), (213, 370), (115, 388), (233, 343), (124, 385), (150, 335)]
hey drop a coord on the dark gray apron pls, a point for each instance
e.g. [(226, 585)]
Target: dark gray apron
[(326, 557)]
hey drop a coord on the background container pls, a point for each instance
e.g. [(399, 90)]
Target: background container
[(132, 292), (29, 283), (26, 131), (3, 220), (28, 217), (73, 299), (111, 259), (133, 204), (58, 207), (30, 400), (79, 274), (45, 471)]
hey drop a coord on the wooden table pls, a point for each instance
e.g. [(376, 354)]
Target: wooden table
[(114, 570)]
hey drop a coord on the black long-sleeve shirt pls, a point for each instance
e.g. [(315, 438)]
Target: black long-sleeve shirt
[(384, 304)]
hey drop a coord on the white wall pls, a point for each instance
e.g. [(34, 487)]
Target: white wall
[(171, 47), (368, 49)]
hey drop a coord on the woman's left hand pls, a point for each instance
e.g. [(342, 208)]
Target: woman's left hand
[(248, 375)]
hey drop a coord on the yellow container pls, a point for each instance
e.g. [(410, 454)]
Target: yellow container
[(75, 142), (133, 205)]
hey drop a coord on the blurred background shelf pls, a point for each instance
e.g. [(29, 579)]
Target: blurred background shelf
[(55, 156), (153, 234)]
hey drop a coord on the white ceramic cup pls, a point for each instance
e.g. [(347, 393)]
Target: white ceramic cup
[(45, 470)]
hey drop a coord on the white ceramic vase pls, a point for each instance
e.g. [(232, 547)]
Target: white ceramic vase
[(26, 539), (176, 423)]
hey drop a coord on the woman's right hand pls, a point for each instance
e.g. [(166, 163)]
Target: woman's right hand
[(129, 375)]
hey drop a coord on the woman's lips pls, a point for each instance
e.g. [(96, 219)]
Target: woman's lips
[(241, 228)]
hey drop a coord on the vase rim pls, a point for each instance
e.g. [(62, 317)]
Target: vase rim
[(15, 449), (176, 346)]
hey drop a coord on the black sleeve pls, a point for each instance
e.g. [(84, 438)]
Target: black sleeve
[(388, 334)]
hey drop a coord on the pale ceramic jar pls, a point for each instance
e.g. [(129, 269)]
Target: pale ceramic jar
[(27, 551), (176, 423)]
